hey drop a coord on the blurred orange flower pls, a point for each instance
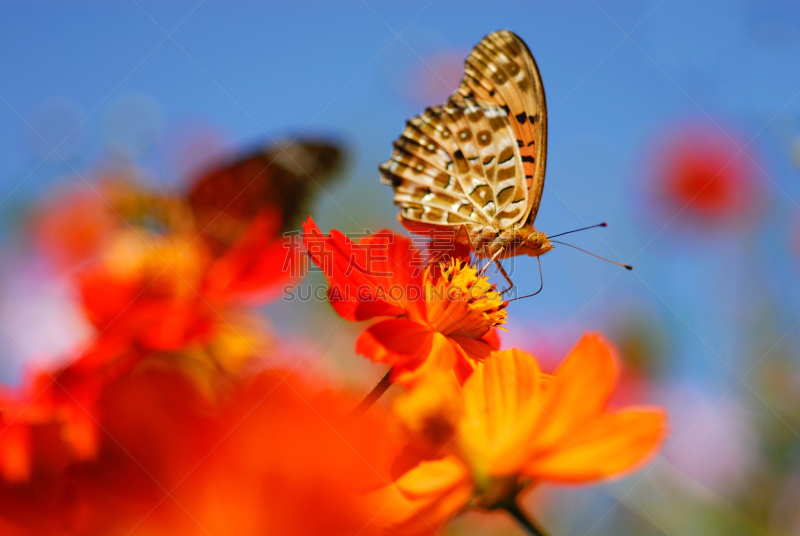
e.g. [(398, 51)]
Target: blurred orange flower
[(149, 275), (72, 226), (163, 291), (281, 455), (49, 422), (512, 425), (443, 317)]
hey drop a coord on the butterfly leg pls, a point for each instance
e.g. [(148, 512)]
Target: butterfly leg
[(541, 284), (504, 274), (494, 260), (469, 240)]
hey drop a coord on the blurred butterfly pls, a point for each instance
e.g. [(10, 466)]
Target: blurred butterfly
[(475, 165), (227, 198)]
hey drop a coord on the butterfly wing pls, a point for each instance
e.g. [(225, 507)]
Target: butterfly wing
[(447, 162), (227, 198), (457, 164), (472, 161), (500, 71)]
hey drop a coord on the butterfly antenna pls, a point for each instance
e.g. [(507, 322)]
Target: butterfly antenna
[(541, 284), (626, 266), (604, 224)]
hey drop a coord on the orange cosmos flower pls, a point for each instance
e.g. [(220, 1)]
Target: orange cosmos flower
[(150, 275), (443, 315), (72, 225), (511, 425), (164, 291)]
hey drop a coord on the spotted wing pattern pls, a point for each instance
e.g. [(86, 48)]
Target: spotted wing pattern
[(465, 162), (501, 71)]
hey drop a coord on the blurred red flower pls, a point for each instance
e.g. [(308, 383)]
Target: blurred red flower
[(164, 291), (279, 455), (49, 421), (703, 173), (441, 319), (148, 275)]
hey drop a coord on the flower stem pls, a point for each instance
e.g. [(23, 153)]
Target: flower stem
[(375, 394), (524, 521)]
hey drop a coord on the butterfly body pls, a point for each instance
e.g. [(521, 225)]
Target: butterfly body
[(513, 242), (477, 162)]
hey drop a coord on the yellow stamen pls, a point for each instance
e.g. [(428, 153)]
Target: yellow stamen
[(461, 303)]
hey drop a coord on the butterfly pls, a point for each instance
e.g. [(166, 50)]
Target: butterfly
[(475, 165), (227, 198)]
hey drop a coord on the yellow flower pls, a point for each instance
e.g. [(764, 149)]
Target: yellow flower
[(515, 426), (459, 302)]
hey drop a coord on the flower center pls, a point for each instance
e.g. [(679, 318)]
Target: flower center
[(462, 303), (165, 265)]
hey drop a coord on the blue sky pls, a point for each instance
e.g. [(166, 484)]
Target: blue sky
[(141, 76)]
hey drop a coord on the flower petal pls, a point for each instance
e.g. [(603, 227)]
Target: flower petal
[(474, 349), (442, 356), (492, 338), (605, 447), (374, 277), (579, 389), (470, 353), (15, 452), (501, 408), (256, 266), (423, 499), (398, 342)]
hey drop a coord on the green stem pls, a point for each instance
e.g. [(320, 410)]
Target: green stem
[(375, 394), (524, 521)]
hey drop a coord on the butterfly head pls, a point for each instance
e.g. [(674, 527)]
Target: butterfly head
[(535, 244), (525, 241)]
